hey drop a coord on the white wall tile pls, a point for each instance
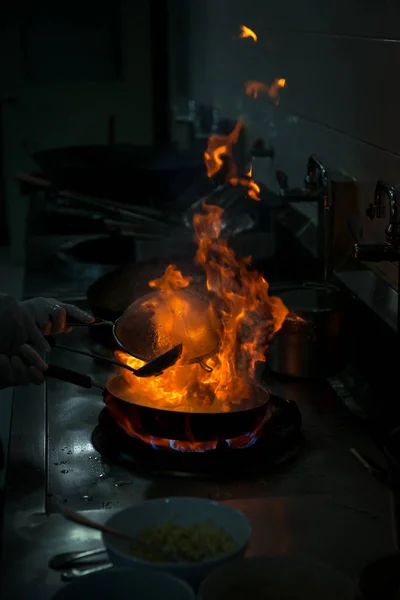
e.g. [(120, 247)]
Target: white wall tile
[(336, 80), (340, 59), (371, 18)]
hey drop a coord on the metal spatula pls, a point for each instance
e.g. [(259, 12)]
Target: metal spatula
[(151, 369)]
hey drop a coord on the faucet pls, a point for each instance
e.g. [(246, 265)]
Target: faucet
[(317, 187), (390, 248)]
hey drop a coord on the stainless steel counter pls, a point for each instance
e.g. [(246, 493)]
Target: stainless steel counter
[(301, 220), (323, 504)]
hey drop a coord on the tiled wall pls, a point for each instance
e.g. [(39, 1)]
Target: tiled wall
[(341, 60)]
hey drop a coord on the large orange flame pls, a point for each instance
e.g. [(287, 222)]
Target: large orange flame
[(241, 314), (233, 327)]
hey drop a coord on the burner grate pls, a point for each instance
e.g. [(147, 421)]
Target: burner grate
[(279, 441)]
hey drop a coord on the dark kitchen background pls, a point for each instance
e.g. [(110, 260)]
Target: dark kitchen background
[(67, 69), (148, 83)]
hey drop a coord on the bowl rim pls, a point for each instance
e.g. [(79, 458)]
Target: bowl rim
[(178, 582), (302, 559), (181, 565)]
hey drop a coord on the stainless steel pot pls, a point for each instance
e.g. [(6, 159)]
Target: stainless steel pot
[(311, 341)]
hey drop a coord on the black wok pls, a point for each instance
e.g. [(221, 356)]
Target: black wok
[(127, 173), (174, 425), (110, 296)]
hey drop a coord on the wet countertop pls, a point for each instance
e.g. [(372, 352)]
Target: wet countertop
[(322, 504)]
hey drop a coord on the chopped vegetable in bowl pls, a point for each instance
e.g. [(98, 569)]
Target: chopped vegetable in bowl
[(191, 543), (186, 537)]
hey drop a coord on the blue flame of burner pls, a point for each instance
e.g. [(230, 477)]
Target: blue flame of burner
[(250, 440)]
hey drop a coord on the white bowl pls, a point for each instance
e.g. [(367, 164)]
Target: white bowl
[(287, 578), (183, 511), (125, 585)]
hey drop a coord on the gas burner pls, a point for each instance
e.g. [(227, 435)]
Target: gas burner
[(280, 440)]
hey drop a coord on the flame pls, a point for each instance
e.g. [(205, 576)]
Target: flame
[(219, 154), (235, 319), (172, 280), (253, 189), (241, 314), (275, 87), (246, 32), (255, 89)]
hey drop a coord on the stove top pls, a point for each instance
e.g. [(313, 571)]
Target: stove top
[(64, 452), (280, 440), (69, 458)]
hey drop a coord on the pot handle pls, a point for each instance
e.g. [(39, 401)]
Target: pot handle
[(69, 375)]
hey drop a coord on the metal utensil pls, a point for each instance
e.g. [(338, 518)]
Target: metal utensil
[(82, 520), (152, 368), (67, 558), (75, 573), (125, 333)]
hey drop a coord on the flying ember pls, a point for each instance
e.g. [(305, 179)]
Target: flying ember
[(246, 32)]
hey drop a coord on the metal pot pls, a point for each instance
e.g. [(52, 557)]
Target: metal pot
[(310, 343)]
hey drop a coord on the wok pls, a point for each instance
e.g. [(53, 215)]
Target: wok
[(152, 325), (114, 171), (110, 296), (175, 425)]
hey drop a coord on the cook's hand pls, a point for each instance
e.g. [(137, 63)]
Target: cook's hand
[(51, 316), (18, 328), (26, 368)]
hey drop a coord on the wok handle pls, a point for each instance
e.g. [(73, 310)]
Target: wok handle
[(69, 376), (74, 323)]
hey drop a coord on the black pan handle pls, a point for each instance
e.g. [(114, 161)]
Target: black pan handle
[(69, 376), (71, 322)]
